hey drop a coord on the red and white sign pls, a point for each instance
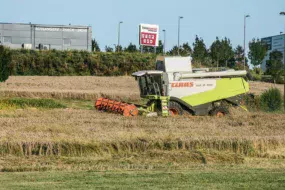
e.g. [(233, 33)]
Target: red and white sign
[(149, 35)]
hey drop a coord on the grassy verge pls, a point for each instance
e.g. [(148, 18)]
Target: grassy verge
[(197, 178)]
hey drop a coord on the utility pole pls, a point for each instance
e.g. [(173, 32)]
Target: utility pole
[(244, 39), (283, 14), (119, 35), (179, 18), (164, 42)]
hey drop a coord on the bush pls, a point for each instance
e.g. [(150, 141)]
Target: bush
[(256, 77), (271, 100), (5, 59), (256, 74)]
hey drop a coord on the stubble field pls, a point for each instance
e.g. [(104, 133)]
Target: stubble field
[(79, 138)]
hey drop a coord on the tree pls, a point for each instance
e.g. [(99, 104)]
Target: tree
[(227, 51), (199, 50), (257, 51), (184, 50), (5, 59), (131, 48), (221, 51), (239, 54), (95, 46), (108, 49), (274, 65), (238, 58), (119, 48), (159, 49), (215, 51), (173, 51)]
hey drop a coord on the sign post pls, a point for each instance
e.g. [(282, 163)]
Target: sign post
[(148, 35)]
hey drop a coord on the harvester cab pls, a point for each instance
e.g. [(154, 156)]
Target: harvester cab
[(174, 88), (156, 82), (150, 83)]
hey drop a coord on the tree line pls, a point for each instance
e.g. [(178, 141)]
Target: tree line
[(221, 53)]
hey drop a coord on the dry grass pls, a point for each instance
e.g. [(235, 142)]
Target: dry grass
[(111, 141), (74, 87), (88, 132), (259, 87), (84, 87)]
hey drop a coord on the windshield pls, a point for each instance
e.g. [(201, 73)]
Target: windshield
[(150, 85)]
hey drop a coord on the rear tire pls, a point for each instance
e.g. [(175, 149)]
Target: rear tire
[(219, 111), (175, 109)]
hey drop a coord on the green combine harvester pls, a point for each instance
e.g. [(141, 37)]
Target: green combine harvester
[(174, 88)]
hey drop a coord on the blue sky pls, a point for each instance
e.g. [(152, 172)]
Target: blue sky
[(206, 18)]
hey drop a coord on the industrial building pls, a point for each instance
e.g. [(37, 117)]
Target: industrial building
[(273, 43), (40, 36)]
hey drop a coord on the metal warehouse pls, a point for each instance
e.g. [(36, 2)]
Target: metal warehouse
[(39, 36)]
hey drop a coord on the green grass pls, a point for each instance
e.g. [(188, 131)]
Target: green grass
[(199, 178), (29, 102), (78, 104), (22, 103)]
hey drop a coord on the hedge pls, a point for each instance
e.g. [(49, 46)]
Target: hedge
[(5, 60), (68, 63)]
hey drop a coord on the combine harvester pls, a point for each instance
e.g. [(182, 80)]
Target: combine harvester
[(175, 89)]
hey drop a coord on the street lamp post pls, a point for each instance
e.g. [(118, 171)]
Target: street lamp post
[(244, 58), (164, 42), (179, 18), (119, 35), (283, 14)]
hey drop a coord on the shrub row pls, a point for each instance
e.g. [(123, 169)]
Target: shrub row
[(66, 63)]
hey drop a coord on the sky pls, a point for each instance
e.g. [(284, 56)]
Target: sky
[(206, 18)]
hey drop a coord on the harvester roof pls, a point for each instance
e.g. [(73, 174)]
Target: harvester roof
[(177, 64), (150, 72)]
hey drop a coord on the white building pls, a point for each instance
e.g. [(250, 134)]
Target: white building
[(273, 43)]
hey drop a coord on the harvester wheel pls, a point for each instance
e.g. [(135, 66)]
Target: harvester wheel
[(175, 108), (219, 111)]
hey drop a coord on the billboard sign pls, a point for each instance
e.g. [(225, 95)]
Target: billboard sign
[(149, 35)]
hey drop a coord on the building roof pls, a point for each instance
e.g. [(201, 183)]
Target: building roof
[(273, 36), (49, 25)]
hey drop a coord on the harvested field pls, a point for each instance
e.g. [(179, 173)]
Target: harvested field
[(74, 87), (259, 87), (71, 132), (81, 138), (84, 87)]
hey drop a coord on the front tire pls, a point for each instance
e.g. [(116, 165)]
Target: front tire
[(175, 109)]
